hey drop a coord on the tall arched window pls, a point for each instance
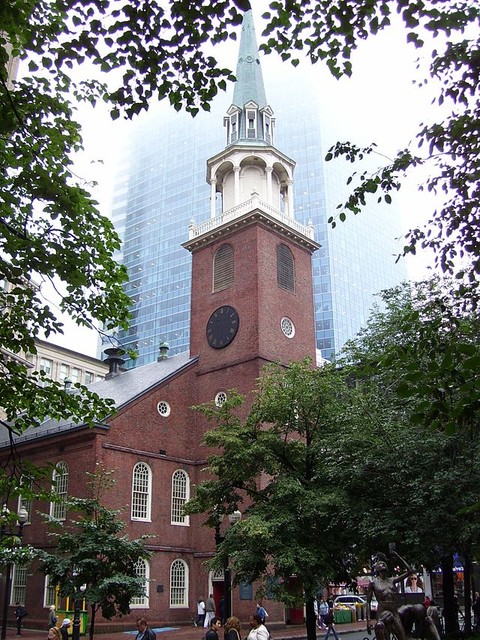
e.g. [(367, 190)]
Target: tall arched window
[(142, 569), (223, 268), (141, 491), (179, 584), (180, 495), (285, 268), (58, 508)]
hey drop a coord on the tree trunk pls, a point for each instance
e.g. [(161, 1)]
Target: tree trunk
[(450, 609), (92, 620), (310, 620)]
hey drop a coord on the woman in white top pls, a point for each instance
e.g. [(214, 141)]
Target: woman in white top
[(258, 631)]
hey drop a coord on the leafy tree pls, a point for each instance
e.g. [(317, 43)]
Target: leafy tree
[(274, 466), (91, 551), (419, 465)]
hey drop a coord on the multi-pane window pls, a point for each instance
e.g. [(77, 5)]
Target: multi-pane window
[(141, 488), (64, 371), (285, 268), (19, 585), (179, 584), (89, 377), (46, 366), (180, 495), (75, 375), (142, 569), (58, 508), (223, 268), (49, 593)]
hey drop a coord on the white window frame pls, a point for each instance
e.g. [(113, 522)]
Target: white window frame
[(142, 569), (19, 584), (180, 495), (179, 579), (60, 487), (141, 493), (49, 593)]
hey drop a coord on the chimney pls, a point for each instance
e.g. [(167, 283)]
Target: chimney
[(163, 349), (115, 361)]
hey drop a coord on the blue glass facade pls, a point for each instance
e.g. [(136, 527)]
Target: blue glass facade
[(161, 186)]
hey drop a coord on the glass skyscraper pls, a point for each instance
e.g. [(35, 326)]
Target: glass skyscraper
[(161, 187)]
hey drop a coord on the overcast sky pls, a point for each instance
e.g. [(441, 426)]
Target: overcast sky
[(378, 103)]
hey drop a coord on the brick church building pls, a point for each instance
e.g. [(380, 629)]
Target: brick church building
[(252, 304)]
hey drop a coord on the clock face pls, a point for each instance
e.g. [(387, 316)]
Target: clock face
[(222, 327)]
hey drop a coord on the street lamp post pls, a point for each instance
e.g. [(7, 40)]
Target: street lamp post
[(22, 517), (234, 517), (76, 612)]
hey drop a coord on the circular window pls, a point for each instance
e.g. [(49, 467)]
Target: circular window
[(220, 398), (288, 328), (163, 408)]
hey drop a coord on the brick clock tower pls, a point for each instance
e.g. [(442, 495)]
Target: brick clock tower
[(252, 296)]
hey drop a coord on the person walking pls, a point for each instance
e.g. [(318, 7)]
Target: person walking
[(330, 623), (209, 611), (323, 610), (52, 617), (233, 629), (212, 633), (143, 631), (258, 631), (64, 628), (20, 612), (262, 612), (200, 617)]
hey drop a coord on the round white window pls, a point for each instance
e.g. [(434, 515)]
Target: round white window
[(163, 408), (288, 328), (220, 398)]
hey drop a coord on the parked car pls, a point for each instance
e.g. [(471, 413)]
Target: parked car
[(348, 601)]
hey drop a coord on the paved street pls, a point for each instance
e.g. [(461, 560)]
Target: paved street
[(355, 631)]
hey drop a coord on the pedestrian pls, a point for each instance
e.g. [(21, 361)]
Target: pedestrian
[(52, 617), (434, 614), (143, 631), (54, 634), (262, 612), (200, 617), (64, 628), (209, 611), (212, 633), (330, 622), (323, 610), (233, 629), (258, 631), (20, 612)]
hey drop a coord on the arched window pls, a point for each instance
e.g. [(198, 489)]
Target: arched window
[(142, 569), (58, 508), (179, 584), (285, 268), (141, 491), (223, 268), (180, 495)]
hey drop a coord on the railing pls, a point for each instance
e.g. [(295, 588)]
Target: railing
[(236, 212)]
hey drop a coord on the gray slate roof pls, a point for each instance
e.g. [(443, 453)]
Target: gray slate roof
[(122, 389)]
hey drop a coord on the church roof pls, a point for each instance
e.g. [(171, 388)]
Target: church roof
[(122, 389), (249, 86)]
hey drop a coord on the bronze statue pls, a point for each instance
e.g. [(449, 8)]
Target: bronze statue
[(385, 589), (390, 618)]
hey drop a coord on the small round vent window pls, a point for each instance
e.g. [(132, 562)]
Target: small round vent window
[(288, 328), (163, 408), (220, 398)]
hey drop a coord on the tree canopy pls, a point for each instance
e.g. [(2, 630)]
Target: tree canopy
[(92, 552)]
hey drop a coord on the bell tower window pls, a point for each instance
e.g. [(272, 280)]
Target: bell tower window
[(285, 268), (251, 123), (223, 268)]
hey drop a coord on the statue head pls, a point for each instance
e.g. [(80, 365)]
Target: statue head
[(381, 567)]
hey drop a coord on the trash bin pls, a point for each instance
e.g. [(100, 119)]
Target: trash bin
[(341, 616)]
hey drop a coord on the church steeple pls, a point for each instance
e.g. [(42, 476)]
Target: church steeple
[(250, 173), (249, 117)]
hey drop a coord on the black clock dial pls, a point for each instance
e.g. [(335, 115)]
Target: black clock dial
[(222, 327)]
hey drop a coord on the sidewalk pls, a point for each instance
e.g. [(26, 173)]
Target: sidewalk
[(290, 632)]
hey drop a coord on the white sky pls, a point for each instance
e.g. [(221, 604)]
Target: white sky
[(378, 103)]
